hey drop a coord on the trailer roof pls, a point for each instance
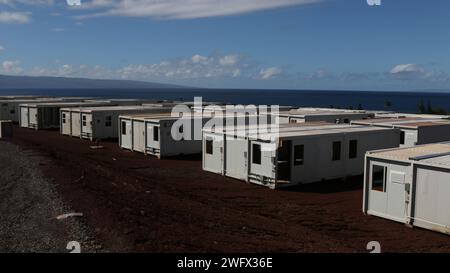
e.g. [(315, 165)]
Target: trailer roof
[(108, 108), (324, 130), (25, 100), (64, 103), (302, 112), (296, 130), (143, 116), (438, 152), (410, 115), (10, 97), (324, 109), (442, 161), (407, 122)]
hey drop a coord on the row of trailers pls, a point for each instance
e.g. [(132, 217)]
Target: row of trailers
[(163, 135), (46, 114), (404, 180)]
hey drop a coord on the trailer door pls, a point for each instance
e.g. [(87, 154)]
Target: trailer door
[(126, 134), (153, 138), (33, 118), (138, 136), (76, 124), (387, 192), (86, 125), (24, 117), (396, 205), (213, 150), (236, 157), (66, 123), (432, 203)]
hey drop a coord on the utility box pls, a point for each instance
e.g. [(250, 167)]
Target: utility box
[(6, 129)]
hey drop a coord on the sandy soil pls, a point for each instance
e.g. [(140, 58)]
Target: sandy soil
[(139, 203)]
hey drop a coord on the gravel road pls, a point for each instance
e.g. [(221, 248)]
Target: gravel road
[(29, 204)]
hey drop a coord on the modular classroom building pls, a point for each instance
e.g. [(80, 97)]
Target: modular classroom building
[(410, 185), (301, 115), (297, 154), (46, 115), (99, 122), (414, 131), (152, 133), (10, 109)]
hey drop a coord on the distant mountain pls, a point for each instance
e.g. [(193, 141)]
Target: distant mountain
[(28, 82)]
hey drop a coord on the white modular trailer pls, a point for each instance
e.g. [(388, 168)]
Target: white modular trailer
[(9, 109), (414, 131), (164, 138), (132, 130), (47, 115), (298, 154), (410, 185), (102, 122), (152, 134)]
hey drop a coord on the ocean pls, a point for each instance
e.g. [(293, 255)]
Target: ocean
[(388, 101)]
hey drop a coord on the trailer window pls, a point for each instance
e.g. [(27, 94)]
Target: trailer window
[(12, 111), (108, 121), (124, 128), (353, 149), (256, 155), (299, 155), (84, 120), (209, 146), (63, 118), (156, 133), (379, 178), (336, 150), (402, 137)]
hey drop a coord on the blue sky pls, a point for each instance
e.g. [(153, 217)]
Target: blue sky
[(292, 44)]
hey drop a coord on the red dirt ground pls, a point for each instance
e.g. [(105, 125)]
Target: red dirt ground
[(139, 203)]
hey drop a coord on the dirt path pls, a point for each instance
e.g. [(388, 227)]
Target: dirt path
[(29, 205), (138, 203)]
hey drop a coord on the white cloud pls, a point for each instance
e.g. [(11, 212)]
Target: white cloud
[(14, 17), (58, 29), (268, 73), (171, 70), (229, 60), (1, 48), (199, 59), (185, 9), (11, 67), (407, 68)]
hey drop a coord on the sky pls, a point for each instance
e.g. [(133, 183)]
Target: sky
[(400, 45)]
